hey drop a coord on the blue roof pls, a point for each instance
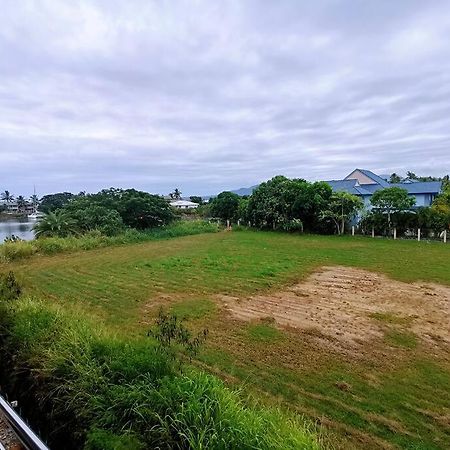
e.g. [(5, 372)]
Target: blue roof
[(350, 186), (353, 187), (421, 187)]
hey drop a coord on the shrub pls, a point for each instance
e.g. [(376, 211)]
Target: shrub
[(11, 251), (9, 287)]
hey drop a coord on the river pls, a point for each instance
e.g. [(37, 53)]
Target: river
[(17, 227)]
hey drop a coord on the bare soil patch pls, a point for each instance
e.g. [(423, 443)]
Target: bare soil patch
[(350, 305)]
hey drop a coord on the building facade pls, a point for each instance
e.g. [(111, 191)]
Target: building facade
[(363, 183)]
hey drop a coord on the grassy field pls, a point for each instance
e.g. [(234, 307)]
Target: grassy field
[(394, 391)]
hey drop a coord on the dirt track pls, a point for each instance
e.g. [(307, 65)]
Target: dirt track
[(343, 303)]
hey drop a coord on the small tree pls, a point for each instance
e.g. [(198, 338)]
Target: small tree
[(175, 195), (21, 203), (342, 208), (225, 206), (7, 197), (395, 178), (196, 199), (392, 200), (56, 224)]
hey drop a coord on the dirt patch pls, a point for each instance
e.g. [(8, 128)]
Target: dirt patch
[(349, 305)]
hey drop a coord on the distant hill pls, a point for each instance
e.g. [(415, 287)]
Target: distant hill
[(241, 192), (245, 191)]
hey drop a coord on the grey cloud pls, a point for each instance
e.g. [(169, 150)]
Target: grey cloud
[(208, 96)]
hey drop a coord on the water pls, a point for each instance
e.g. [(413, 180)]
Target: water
[(21, 228)]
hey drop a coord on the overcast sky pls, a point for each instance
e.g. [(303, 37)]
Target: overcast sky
[(213, 95)]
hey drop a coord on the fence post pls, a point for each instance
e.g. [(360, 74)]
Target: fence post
[(395, 233), (353, 230), (228, 224), (249, 224), (373, 232), (239, 222), (445, 236), (418, 234)]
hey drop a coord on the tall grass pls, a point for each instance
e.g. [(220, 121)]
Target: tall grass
[(103, 392), (12, 251)]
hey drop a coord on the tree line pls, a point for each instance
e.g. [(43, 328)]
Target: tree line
[(298, 205)]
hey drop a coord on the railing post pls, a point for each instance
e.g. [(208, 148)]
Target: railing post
[(418, 234)]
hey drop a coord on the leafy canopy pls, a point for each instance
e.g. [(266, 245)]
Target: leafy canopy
[(225, 206)]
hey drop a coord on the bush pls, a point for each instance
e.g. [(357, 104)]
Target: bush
[(102, 392), (11, 251), (9, 287)]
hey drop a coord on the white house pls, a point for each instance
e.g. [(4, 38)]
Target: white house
[(183, 204)]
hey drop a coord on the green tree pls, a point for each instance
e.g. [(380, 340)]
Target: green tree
[(225, 206), (175, 195), (392, 200), (196, 199), (52, 202), (56, 224), (21, 203), (7, 197), (395, 178), (441, 206), (342, 208), (96, 217), (34, 199)]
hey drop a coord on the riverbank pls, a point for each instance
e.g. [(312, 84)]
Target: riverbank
[(12, 251)]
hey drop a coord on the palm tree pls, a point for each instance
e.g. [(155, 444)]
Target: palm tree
[(34, 199), (21, 203), (176, 194), (55, 224), (7, 196)]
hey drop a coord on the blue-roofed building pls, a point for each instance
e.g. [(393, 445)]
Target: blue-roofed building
[(363, 183)]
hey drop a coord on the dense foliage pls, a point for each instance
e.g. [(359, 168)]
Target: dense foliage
[(102, 392), (109, 211), (284, 204), (225, 206), (52, 202)]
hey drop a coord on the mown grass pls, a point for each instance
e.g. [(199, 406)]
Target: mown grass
[(397, 394), (13, 251), (401, 338), (263, 332)]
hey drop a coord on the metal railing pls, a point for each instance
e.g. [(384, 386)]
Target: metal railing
[(24, 433)]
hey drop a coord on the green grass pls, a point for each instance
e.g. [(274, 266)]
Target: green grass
[(262, 332), (401, 338), (13, 251), (193, 308), (397, 389)]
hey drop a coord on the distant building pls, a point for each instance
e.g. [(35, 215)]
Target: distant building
[(363, 183), (13, 208), (183, 204)]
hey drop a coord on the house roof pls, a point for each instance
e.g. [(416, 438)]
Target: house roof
[(421, 187), (183, 203), (374, 177), (352, 185)]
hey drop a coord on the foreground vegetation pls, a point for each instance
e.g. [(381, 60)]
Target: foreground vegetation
[(395, 392), (14, 250), (99, 391)]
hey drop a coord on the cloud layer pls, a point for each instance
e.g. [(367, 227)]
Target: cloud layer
[(211, 95)]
